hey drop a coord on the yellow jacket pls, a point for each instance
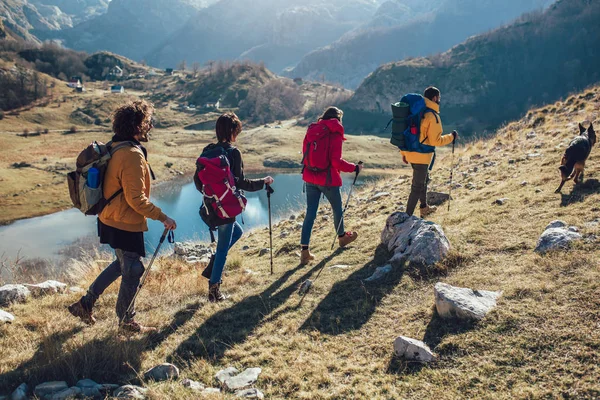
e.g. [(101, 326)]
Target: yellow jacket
[(128, 169), (431, 134)]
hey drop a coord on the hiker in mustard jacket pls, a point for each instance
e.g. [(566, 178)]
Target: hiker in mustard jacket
[(431, 134)]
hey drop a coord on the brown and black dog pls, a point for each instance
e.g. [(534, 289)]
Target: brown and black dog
[(573, 161)]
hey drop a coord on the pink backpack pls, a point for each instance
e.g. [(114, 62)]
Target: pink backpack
[(218, 184)]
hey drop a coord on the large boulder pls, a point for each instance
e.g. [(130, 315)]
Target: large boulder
[(13, 294), (463, 303), (6, 318), (557, 236), (47, 288), (20, 393), (414, 240), (162, 372), (233, 381), (412, 350)]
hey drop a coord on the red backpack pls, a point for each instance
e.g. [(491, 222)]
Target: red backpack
[(316, 148), (218, 184)]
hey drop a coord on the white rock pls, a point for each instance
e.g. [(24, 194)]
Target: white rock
[(412, 350), (47, 288), (69, 393), (414, 240), (305, 286), (193, 385), (20, 393), (6, 318), (340, 267), (379, 273), (378, 196), (501, 202), (225, 374), (130, 392), (162, 372), (463, 303), (243, 380), (49, 388), (250, 394), (556, 237), (13, 294)]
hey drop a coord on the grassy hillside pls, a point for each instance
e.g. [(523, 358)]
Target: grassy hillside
[(542, 341), (494, 77)]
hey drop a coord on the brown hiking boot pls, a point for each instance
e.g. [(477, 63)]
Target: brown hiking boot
[(427, 210), (214, 293), (348, 238), (133, 328), (306, 257), (79, 311)]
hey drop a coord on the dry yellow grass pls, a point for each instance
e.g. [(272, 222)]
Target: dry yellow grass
[(542, 341)]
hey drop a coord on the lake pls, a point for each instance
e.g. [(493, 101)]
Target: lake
[(44, 237)]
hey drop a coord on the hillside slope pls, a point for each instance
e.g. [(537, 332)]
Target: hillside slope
[(540, 342), (401, 29), (493, 77)]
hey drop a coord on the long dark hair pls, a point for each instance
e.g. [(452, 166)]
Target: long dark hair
[(331, 113)]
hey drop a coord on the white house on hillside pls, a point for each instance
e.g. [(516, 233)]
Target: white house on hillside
[(117, 89), (117, 71)]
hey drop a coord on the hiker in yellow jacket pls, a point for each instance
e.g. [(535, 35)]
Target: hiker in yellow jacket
[(431, 134)]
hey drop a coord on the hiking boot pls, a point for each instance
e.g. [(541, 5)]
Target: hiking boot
[(306, 257), (348, 238), (214, 293), (427, 210), (133, 328), (208, 270), (79, 311)]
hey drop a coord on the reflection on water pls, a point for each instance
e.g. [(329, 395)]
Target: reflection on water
[(45, 236)]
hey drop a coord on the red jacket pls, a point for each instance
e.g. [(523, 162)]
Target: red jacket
[(338, 164)]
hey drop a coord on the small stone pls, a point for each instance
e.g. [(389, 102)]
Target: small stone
[(437, 198), (193, 385), (379, 273), (488, 182), (488, 164), (13, 294), (130, 392), (538, 190), (412, 350), (49, 388), (298, 227), (262, 252), (284, 234), (6, 318), (531, 135), (511, 161), (250, 394), (325, 218), (556, 237), (225, 374), (500, 202), (20, 393), (524, 183), (304, 287), (292, 217), (162, 372), (463, 303), (70, 393), (534, 155), (243, 380), (246, 248)]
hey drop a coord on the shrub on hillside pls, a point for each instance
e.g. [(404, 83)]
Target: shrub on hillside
[(277, 100)]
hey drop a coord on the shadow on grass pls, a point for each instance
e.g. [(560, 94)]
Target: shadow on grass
[(352, 302), (580, 192), (233, 325), (109, 359), (399, 366), (439, 328)]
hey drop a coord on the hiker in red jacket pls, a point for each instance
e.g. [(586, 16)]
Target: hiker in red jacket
[(323, 163)]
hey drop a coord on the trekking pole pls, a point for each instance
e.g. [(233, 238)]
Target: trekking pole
[(147, 271), (346, 206), (451, 175), (270, 191)]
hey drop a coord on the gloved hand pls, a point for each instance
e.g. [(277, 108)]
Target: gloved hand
[(455, 135)]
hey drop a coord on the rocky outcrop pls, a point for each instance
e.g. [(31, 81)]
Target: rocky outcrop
[(462, 303), (13, 294), (413, 240)]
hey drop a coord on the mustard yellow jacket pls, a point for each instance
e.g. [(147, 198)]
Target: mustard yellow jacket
[(431, 134), (128, 169)]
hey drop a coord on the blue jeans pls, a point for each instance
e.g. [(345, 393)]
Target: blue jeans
[(313, 195), (228, 235), (129, 267)]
